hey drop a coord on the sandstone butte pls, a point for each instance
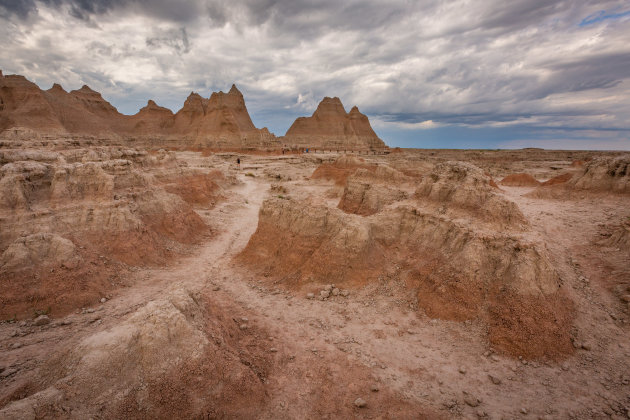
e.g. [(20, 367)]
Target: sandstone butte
[(331, 127), (221, 121)]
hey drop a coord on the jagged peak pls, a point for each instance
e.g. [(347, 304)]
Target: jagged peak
[(329, 105), (56, 87), (151, 103), (234, 90), (334, 99), (355, 110), (87, 89)]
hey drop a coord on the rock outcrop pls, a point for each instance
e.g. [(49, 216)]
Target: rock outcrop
[(63, 211), (222, 121), (330, 127), (604, 174)]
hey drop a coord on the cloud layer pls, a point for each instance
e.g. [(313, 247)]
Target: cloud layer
[(533, 70)]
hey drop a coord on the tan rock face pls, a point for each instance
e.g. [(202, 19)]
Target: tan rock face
[(605, 174), (62, 210), (331, 127), (220, 121)]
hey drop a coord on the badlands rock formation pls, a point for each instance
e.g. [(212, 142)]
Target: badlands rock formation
[(63, 212), (445, 244), (222, 121), (330, 127)]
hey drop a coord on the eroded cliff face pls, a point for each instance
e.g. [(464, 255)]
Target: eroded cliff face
[(330, 127), (66, 212), (221, 121)]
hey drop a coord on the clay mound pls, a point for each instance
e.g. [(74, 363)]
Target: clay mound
[(136, 369), (461, 185), (340, 170), (520, 180), (330, 127), (458, 274), (557, 180), (200, 189), (368, 191), (38, 250), (604, 174)]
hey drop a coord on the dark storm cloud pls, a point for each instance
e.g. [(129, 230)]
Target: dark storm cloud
[(177, 39)]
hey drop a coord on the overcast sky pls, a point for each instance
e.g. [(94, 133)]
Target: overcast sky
[(460, 73)]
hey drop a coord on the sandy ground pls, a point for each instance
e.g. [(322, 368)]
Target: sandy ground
[(370, 340)]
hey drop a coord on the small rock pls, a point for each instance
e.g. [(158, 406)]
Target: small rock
[(273, 350), (103, 300), (374, 388), (462, 370), (324, 293), (310, 296), (335, 292), (481, 414), (565, 366), (586, 346), (495, 380), (243, 319), (216, 288), (494, 358), (360, 403), (524, 410), (243, 326), (471, 400), (345, 293), (16, 346), (328, 287), (41, 320)]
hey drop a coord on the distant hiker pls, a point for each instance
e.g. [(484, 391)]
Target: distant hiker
[(238, 162)]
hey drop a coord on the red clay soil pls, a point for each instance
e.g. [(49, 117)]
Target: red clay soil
[(56, 291), (184, 226), (531, 327), (560, 179), (520, 180), (339, 172), (199, 189)]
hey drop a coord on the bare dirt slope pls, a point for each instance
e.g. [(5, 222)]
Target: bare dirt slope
[(210, 336)]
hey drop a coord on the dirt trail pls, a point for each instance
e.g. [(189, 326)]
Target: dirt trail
[(234, 221)]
